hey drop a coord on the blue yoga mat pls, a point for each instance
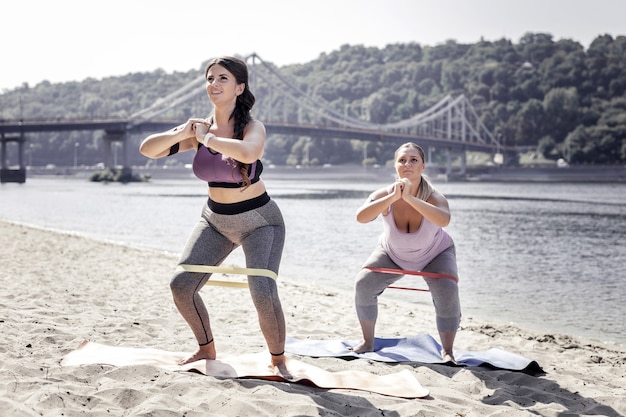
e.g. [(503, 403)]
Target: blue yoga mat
[(421, 348)]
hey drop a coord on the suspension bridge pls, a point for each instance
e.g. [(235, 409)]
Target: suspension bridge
[(451, 124)]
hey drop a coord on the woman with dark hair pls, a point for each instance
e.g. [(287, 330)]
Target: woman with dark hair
[(239, 212), (413, 239)]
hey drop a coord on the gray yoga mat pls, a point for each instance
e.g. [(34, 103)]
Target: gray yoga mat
[(421, 348)]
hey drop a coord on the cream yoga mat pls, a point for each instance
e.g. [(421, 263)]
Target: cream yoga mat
[(401, 384)]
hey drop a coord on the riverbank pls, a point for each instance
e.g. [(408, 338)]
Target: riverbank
[(610, 173), (549, 174)]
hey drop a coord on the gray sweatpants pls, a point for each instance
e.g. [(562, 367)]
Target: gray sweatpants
[(445, 292), (261, 233)]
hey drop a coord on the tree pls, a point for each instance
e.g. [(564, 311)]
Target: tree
[(561, 111), (536, 47), (546, 147), (531, 123)]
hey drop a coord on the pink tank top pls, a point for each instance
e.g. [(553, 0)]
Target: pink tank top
[(413, 251), (221, 170)]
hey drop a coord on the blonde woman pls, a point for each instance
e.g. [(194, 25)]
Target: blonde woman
[(413, 239)]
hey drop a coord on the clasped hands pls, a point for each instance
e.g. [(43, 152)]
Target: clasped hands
[(200, 127), (402, 189)]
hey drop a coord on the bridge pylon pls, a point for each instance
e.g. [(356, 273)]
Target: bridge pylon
[(8, 174), (111, 139)]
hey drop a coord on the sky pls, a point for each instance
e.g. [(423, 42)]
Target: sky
[(71, 40)]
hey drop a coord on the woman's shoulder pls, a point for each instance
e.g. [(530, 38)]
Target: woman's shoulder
[(254, 124), (437, 198)]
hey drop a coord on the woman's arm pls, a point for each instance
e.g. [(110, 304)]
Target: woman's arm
[(158, 145), (435, 209), (378, 202), (246, 151)]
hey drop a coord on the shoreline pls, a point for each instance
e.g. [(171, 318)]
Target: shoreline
[(601, 174), (79, 288)]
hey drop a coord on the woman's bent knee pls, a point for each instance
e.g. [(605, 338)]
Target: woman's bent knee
[(184, 283)]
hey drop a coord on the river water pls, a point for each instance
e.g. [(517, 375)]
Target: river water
[(548, 257)]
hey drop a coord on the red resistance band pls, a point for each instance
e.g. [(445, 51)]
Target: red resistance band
[(420, 273)]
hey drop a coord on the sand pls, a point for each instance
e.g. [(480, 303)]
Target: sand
[(60, 289)]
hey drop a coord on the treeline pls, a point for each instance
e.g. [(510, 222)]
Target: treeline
[(551, 96)]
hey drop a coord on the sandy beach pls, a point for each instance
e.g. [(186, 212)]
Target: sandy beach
[(60, 289)]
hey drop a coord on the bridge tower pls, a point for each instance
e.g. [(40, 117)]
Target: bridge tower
[(112, 138), (8, 174)]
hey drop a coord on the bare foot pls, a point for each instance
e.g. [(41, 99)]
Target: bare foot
[(203, 352), (362, 348), (448, 357), (279, 367)]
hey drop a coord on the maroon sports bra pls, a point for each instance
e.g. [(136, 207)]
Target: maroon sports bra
[(222, 171)]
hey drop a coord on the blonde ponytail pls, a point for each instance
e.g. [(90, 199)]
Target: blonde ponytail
[(426, 189)]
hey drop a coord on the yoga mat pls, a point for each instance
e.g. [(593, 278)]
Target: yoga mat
[(421, 348), (401, 384)]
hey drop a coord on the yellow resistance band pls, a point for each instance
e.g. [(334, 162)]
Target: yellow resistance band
[(229, 270)]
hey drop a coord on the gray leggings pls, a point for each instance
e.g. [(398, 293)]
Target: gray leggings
[(261, 233), (445, 292)]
